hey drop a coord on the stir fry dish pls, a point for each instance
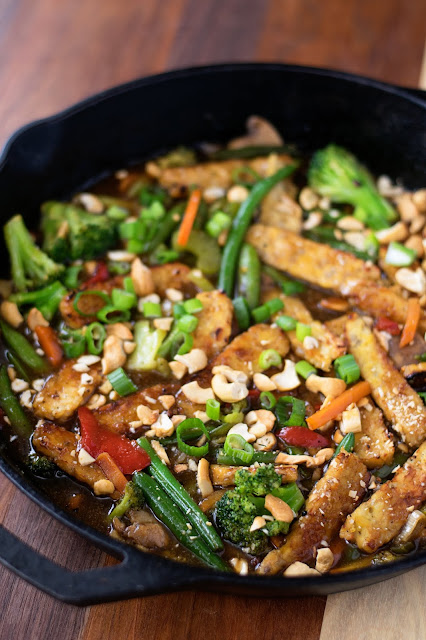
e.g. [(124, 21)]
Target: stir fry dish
[(219, 357)]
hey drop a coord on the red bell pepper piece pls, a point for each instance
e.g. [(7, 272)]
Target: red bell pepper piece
[(384, 324), (101, 274), (303, 437), (96, 439)]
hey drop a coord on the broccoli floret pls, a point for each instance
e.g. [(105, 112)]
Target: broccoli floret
[(338, 175), (277, 528), (234, 516), (31, 267), (133, 499), (70, 233), (263, 481), (41, 466)]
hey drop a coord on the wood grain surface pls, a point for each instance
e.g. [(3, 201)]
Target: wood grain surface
[(53, 53)]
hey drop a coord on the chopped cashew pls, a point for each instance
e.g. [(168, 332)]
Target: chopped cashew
[(228, 391), (147, 415), (103, 487), (258, 523), (167, 401), (308, 199), (163, 426), (195, 360), (85, 458), (237, 193), (351, 421), (163, 323), (406, 207), (91, 203), (120, 330), (178, 369), (414, 281), (279, 509), (311, 461), (142, 278), (35, 319), (177, 419), (331, 387), (266, 442), (19, 385), (309, 343), (203, 478), (88, 360), (397, 233), (299, 569), (160, 451), (241, 429), (240, 565), (197, 394), (267, 418), (325, 559), (174, 295), (232, 375), (263, 383), (12, 315), (114, 355), (288, 378)]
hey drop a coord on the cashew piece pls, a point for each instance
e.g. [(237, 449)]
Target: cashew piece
[(197, 394), (228, 391), (288, 378), (195, 360), (114, 355), (142, 278), (325, 559), (279, 509), (203, 478), (332, 387), (120, 330), (241, 429), (10, 312), (263, 383), (267, 418), (232, 375)]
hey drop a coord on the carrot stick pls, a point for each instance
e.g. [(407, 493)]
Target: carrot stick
[(189, 217), (411, 323), (339, 404), (50, 344), (112, 471)]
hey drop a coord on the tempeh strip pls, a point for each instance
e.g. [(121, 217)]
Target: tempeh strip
[(334, 496), (379, 519), (401, 405), (373, 445), (224, 476)]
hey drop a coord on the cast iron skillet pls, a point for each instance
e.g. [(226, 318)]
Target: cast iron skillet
[(384, 125)]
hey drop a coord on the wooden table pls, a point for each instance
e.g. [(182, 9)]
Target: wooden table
[(55, 53)]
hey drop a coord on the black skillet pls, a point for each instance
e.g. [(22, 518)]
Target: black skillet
[(384, 125)]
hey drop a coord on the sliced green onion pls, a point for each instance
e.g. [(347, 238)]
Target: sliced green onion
[(186, 345), (135, 246), (290, 411), (121, 382), (242, 312), (274, 305), (162, 255), (151, 309), (261, 314), (302, 331), (213, 409), (238, 448), (95, 337), (304, 368), (270, 358), (73, 343), (347, 368), (90, 292), (72, 277), (110, 315), (347, 444), (399, 256), (422, 394), (116, 213), (218, 223), (123, 300), (187, 323), (267, 400), (119, 268), (286, 323), (193, 305), (178, 310), (128, 285), (134, 230), (291, 494), (186, 429)]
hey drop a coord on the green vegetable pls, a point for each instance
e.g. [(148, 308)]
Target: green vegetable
[(274, 305), (187, 344), (261, 314), (347, 444), (213, 409), (110, 314), (151, 309), (289, 287), (204, 248), (400, 256), (10, 405), (71, 233), (270, 358), (234, 514), (304, 369), (89, 292), (399, 459), (20, 345), (72, 276), (347, 369), (31, 267), (238, 448), (73, 341), (123, 300), (325, 234), (302, 331), (263, 481), (290, 411), (218, 222), (265, 457), (267, 400), (249, 275), (196, 277), (286, 323), (242, 313), (185, 429), (148, 343), (133, 499), (46, 300), (164, 229), (19, 367), (41, 466), (338, 175), (240, 225), (95, 337), (193, 305), (121, 382), (176, 521), (187, 323), (181, 498)]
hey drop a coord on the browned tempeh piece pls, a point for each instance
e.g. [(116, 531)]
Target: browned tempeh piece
[(214, 323), (173, 275), (64, 392), (213, 174), (374, 444), (401, 405), (88, 304), (334, 496), (223, 476), (243, 352), (378, 520), (58, 444), (279, 209), (313, 262)]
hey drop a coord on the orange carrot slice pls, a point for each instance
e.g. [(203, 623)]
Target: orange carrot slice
[(189, 218), (339, 404), (112, 471), (411, 323), (50, 344)]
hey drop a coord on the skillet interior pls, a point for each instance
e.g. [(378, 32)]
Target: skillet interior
[(383, 125)]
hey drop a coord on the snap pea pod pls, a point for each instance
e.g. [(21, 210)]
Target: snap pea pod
[(249, 275), (19, 368), (240, 225), (19, 344), (176, 521), (10, 405), (347, 444), (183, 500), (258, 456)]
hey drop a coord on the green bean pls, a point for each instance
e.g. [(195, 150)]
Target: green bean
[(259, 456), (10, 405), (175, 490), (240, 225), (347, 444), (249, 275), (20, 344), (176, 521)]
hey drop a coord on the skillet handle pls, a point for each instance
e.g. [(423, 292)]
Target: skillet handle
[(136, 575)]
